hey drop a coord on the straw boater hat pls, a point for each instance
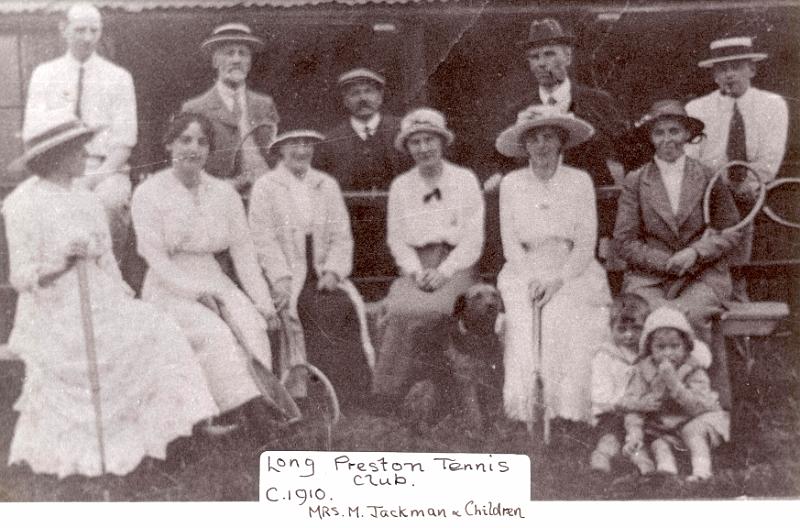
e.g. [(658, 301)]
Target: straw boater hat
[(509, 142), (56, 129), (423, 120), (296, 134), (669, 108), (544, 32), (233, 33), (729, 49), (360, 74)]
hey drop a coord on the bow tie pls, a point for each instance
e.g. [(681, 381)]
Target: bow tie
[(436, 193)]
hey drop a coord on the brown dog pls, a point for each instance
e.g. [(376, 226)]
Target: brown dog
[(467, 378)]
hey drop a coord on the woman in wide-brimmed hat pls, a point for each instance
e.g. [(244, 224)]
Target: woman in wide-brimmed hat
[(548, 223), (301, 230), (183, 217), (660, 231), (435, 234), (151, 388)]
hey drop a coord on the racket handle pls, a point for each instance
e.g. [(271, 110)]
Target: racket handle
[(676, 288)]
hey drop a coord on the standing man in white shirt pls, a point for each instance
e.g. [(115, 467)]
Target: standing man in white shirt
[(742, 123), (245, 122), (102, 95)]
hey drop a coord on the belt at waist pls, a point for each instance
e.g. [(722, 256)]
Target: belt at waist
[(431, 255)]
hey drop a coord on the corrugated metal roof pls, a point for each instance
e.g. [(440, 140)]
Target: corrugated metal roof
[(135, 6)]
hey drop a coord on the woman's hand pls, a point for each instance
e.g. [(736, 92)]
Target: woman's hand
[(679, 263), (328, 282), (270, 315), (542, 291), (78, 249), (282, 293)]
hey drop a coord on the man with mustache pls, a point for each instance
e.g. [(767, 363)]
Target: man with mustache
[(742, 123), (359, 151), (360, 154), (101, 94), (245, 122), (549, 50)]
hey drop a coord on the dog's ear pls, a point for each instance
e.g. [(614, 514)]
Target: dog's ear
[(459, 306)]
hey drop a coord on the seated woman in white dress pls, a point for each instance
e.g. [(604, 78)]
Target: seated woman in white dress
[(301, 229), (151, 388), (182, 217), (435, 233), (548, 224)]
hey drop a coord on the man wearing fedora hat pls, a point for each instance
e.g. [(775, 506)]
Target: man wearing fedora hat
[(742, 123), (359, 151), (101, 94), (245, 121), (549, 50)]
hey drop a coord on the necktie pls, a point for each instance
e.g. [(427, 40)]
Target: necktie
[(237, 107), (737, 145), (436, 193), (551, 101), (368, 132), (79, 92)]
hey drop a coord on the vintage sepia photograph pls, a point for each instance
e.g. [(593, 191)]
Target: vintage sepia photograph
[(565, 229)]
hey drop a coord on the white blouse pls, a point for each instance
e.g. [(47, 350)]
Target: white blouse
[(456, 218), (548, 229)]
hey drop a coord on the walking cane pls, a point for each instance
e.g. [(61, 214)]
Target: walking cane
[(91, 356), (540, 393)]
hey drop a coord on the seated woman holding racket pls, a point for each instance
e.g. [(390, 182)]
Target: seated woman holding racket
[(672, 256), (182, 217), (109, 380)]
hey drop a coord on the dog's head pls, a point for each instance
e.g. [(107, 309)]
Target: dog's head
[(477, 309)]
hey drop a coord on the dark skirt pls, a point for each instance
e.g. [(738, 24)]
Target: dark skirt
[(333, 340), (416, 324)]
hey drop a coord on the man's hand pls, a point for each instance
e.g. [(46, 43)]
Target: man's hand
[(679, 263), (328, 282)]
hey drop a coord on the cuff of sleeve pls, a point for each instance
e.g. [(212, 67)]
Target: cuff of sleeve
[(447, 269)]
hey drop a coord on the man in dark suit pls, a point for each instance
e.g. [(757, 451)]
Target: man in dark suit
[(549, 48), (245, 122), (360, 152)]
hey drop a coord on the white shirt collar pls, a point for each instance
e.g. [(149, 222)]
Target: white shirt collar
[(228, 94), (671, 168), (562, 94), (76, 63), (360, 126)]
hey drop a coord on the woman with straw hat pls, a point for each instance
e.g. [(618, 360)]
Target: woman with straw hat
[(301, 230), (150, 388), (548, 224), (435, 234), (660, 231)]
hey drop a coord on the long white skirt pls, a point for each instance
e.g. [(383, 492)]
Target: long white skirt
[(152, 389), (574, 322)]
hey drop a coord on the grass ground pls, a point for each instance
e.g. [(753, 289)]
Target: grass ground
[(226, 469)]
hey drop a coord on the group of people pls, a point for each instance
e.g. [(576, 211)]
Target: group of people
[(236, 248)]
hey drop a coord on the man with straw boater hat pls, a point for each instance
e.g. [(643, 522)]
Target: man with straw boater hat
[(101, 94), (549, 50), (742, 123), (245, 121)]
